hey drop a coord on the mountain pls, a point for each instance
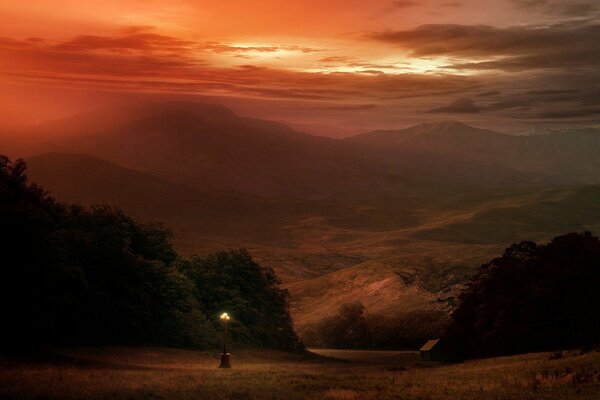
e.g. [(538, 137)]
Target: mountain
[(210, 147), (451, 131), (565, 157)]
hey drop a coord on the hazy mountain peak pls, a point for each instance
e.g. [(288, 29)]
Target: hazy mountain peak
[(168, 122), (451, 124), (433, 129), (199, 110), (444, 127)]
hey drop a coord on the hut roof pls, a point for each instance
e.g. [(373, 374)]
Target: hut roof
[(429, 345)]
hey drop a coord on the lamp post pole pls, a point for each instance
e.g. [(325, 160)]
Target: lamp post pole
[(225, 356)]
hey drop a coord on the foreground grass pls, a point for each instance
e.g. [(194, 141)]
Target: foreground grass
[(147, 373)]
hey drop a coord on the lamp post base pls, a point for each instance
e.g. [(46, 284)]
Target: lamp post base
[(225, 360)]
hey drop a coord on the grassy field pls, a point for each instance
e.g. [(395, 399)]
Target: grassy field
[(149, 373)]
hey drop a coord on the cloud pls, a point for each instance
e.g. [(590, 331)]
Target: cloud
[(353, 107), (510, 49), (576, 10), (460, 106), (566, 8), (568, 114), (404, 3), (336, 59), (489, 93), (552, 92), (140, 41), (529, 3), (509, 104), (143, 61), (224, 48), (549, 71)]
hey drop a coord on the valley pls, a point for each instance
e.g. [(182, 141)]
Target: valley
[(395, 219)]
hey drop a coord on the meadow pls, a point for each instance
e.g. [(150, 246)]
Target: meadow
[(154, 373)]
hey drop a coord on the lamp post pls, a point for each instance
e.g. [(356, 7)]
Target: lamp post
[(225, 356)]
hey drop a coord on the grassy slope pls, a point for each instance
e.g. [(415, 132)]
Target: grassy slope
[(160, 374), (381, 288), (440, 252)]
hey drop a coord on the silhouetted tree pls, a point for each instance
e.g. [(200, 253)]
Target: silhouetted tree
[(346, 329), (533, 298), (231, 281), (74, 276)]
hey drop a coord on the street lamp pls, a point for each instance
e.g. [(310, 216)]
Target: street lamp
[(225, 356)]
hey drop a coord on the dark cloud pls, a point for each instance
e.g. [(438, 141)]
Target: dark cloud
[(336, 59), (529, 3), (568, 114), (489, 93), (509, 104), (566, 8), (142, 41), (250, 67), (566, 45), (483, 40), (404, 3), (552, 92), (353, 107), (460, 106)]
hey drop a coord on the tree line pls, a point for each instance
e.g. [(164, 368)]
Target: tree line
[(353, 327), (94, 276)]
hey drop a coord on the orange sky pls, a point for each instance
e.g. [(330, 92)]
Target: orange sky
[(341, 65)]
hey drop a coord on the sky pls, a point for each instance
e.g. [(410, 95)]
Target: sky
[(335, 67)]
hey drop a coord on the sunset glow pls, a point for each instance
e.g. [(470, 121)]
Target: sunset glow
[(508, 62)]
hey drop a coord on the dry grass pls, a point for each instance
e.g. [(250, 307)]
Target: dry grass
[(177, 374)]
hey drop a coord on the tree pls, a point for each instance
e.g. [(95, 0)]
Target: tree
[(94, 276), (231, 281), (77, 276), (346, 329), (533, 298)]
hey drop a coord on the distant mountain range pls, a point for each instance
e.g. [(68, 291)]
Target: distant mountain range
[(567, 157), (414, 209), (209, 147)]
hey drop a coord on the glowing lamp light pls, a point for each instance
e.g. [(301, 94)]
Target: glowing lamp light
[(225, 356)]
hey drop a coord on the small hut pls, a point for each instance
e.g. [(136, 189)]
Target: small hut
[(431, 351)]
